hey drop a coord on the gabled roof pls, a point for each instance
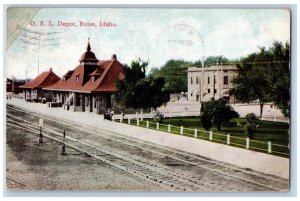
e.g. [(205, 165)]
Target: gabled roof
[(108, 72), (45, 79)]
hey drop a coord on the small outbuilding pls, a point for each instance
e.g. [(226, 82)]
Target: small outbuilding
[(33, 91)]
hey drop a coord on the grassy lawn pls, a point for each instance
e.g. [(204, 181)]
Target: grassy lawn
[(275, 132)]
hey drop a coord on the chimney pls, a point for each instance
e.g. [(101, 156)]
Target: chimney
[(50, 69), (114, 57)]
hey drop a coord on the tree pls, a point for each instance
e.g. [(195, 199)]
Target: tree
[(214, 60), (279, 77), (137, 90), (174, 73), (264, 76), (220, 111), (251, 82)]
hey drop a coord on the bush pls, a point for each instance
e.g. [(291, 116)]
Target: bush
[(252, 122), (206, 121), (220, 111), (158, 117)]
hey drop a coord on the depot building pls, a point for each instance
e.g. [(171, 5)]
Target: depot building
[(89, 87)]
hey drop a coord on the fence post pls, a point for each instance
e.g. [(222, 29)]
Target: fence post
[(41, 136), (269, 147), (275, 117), (137, 122), (147, 124), (169, 128), (142, 118), (63, 148), (136, 115), (228, 139), (195, 134), (247, 143), (181, 130), (113, 118), (210, 135), (129, 120), (157, 125), (121, 120)]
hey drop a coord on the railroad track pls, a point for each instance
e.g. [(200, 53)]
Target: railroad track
[(268, 182), (164, 178)]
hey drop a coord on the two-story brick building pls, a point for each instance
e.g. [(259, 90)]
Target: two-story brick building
[(211, 82)]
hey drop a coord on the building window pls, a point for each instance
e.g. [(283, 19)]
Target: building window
[(215, 91), (197, 98), (208, 91), (197, 80), (225, 71), (191, 80), (225, 79), (208, 80), (77, 78), (192, 94)]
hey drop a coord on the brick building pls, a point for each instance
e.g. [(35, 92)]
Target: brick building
[(212, 82), (90, 86)]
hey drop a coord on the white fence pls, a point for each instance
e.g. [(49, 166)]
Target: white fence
[(228, 139)]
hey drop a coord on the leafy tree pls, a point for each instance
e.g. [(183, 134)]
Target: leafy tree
[(174, 73), (264, 76), (251, 82), (139, 91), (220, 111), (279, 76), (214, 60)]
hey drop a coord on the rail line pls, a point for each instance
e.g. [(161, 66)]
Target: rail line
[(215, 167), (147, 172)]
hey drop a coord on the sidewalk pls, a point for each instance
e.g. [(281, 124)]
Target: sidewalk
[(257, 161)]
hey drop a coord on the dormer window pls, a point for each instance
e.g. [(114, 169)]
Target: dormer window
[(77, 78), (93, 78), (64, 78)]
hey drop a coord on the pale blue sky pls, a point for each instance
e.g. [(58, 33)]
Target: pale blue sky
[(156, 35)]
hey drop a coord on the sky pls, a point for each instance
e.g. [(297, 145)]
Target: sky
[(154, 35)]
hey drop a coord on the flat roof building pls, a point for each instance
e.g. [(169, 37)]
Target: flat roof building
[(211, 82)]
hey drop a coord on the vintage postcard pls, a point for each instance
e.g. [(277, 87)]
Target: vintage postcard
[(148, 99)]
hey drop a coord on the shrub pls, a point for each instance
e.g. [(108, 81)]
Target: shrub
[(252, 122), (220, 111), (206, 121), (158, 117)]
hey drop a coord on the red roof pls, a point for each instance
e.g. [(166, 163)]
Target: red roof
[(105, 73), (45, 79)]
